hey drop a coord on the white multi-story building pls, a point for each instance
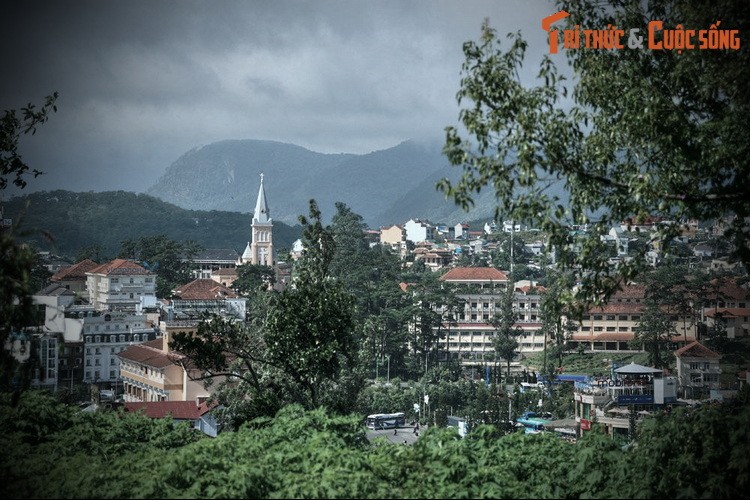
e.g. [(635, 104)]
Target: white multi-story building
[(105, 336), (481, 289), (119, 285), (698, 370)]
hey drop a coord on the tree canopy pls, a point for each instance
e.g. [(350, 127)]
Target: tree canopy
[(54, 451), (658, 134), (18, 264)]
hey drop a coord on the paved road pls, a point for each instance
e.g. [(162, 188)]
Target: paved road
[(402, 434)]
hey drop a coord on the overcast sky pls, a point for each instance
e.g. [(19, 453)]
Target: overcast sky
[(142, 82)]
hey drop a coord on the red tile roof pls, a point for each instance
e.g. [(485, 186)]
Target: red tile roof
[(619, 307), (149, 354), (728, 312), (474, 274), (696, 350), (526, 289), (179, 410), (119, 267), (225, 271), (728, 288), (76, 272), (629, 292), (204, 289)]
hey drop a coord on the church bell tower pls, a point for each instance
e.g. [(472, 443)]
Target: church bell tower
[(260, 249)]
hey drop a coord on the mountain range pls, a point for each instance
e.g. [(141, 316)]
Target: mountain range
[(385, 187)]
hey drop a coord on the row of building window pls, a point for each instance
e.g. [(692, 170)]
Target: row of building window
[(608, 329), (112, 361), (611, 317), (88, 329), (131, 280), (98, 339), (518, 305), (470, 333), (486, 317), (98, 375)]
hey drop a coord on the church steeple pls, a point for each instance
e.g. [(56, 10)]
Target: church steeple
[(260, 251), (261, 213)]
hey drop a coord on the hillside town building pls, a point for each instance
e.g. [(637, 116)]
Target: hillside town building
[(119, 285), (469, 331)]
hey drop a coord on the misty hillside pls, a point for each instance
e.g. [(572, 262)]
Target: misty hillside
[(385, 187), (65, 222)]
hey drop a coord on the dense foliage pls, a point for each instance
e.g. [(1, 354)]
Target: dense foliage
[(54, 451)]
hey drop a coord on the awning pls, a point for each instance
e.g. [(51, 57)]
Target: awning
[(634, 369)]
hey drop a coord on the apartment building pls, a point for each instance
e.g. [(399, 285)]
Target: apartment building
[(698, 370), (119, 285), (105, 335), (612, 326), (469, 336), (151, 371)]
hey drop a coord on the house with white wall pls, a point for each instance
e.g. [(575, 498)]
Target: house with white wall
[(118, 285), (418, 231)]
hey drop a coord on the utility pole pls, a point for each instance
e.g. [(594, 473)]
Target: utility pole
[(512, 229)]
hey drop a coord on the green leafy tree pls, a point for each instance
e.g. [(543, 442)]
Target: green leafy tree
[(19, 271), (309, 328), (231, 356), (253, 278), (12, 127), (505, 338), (649, 133), (94, 252), (54, 451), (169, 259), (555, 327), (654, 334), (504, 255)]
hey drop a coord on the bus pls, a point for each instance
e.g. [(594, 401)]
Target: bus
[(533, 422), (385, 420)]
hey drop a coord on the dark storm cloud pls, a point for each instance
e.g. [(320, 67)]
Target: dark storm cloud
[(142, 82)]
